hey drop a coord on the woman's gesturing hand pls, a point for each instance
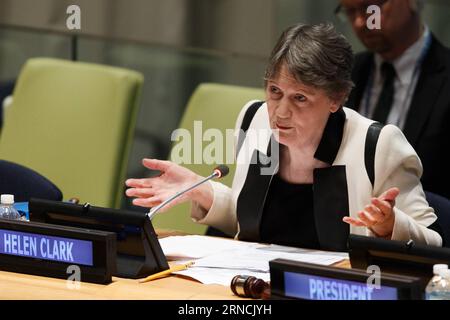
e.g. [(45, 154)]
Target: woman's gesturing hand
[(379, 215), (150, 192)]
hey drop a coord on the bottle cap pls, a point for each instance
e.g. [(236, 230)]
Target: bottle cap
[(7, 198), (438, 267)]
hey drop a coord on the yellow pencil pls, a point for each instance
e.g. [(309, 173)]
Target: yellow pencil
[(167, 272)]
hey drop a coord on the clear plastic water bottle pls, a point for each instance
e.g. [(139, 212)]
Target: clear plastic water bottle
[(7, 210), (439, 286), (435, 280)]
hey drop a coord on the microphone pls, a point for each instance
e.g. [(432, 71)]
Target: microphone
[(218, 172)]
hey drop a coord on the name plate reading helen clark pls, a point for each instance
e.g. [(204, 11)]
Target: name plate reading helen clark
[(33, 245), (49, 250), (296, 280)]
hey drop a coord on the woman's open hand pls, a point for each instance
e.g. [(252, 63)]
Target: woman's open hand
[(150, 192), (379, 215)]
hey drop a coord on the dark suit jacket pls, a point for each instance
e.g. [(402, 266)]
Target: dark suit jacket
[(427, 125)]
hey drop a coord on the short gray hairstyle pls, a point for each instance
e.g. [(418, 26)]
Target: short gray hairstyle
[(316, 55)]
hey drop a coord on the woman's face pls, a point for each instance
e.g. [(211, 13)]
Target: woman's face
[(297, 111)]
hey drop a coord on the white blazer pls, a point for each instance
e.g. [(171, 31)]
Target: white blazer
[(343, 188)]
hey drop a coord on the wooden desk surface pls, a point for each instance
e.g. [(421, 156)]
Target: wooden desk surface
[(23, 286), (28, 287)]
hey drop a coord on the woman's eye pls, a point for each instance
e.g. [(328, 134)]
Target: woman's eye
[(274, 90), (300, 98)]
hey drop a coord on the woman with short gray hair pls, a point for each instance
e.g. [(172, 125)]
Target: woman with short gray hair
[(330, 177), (316, 56)]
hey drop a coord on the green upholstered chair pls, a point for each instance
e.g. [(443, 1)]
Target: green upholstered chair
[(73, 123), (217, 107)]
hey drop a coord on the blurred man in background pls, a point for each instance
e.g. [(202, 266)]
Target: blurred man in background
[(404, 79)]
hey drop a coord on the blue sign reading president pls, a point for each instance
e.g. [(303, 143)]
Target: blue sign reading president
[(305, 286)]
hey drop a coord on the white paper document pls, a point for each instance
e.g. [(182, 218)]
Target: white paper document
[(219, 276), (218, 260), (254, 259), (194, 247)]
